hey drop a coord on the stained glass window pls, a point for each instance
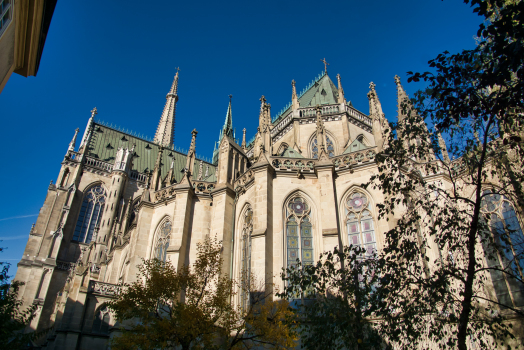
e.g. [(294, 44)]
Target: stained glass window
[(90, 214), (162, 243), (247, 229), (330, 148), (299, 234), (359, 222), (508, 251)]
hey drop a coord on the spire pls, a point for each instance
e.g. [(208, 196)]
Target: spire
[(341, 98), (228, 124), (377, 117), (375, 108), (294, 98), (87, 131), (72, 144), (262, 116), (402, 99), (443, 147), (166, 127), (244, 139)]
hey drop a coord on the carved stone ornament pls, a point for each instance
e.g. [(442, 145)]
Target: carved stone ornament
[(104, 288)]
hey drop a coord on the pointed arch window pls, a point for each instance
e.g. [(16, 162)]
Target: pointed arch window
[(90, 214), (162, 243), (101, 322), (507, 252), (330, 148), (299, 233), (359, 223), (247, 230)]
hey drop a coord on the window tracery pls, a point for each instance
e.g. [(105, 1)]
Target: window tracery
[(359, 223), (247, 230), (299, 234), (90, 214), (330, 148), (101, 322), (162, 243), (508, 255)]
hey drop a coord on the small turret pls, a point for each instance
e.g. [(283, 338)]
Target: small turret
[(124, 159), (377, 116), (244, 139), (155, 179), (72, 144), (190, 160), (294, 97), (341, 98), (88, 130)]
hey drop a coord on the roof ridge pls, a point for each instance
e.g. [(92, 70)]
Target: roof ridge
[(173, 147)]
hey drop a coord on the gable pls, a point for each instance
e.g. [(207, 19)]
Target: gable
[(356, 145)]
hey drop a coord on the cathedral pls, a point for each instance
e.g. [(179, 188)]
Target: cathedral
[(294, 191)]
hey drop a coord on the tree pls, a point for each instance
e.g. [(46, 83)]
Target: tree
[(452, 244), (192, 308), (336, 300), (451, 271), (13, 318)]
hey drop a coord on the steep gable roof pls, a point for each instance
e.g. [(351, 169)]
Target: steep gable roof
[(321, 91), (355, 146)]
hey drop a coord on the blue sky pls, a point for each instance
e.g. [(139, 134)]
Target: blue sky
[(120, 56)]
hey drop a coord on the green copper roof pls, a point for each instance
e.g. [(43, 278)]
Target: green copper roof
[(321, 91), (105, 142), (291, 153), (355, 146)]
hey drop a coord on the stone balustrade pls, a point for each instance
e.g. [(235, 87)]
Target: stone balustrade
[(244, 180), (355, 158), (104, 288), (293, 164), (98, 164), (360, 116), (135, 175), (203, 186)]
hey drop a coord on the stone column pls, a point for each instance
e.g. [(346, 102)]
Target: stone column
[(178, 250), (328, 211), (222, 220), (262, 236)]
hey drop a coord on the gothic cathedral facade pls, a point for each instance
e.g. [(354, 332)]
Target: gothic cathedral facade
[(294, 191)]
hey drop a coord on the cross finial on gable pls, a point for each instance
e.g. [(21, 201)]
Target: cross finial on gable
[(93, 112), (325, 64)]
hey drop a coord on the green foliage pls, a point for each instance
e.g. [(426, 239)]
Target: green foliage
[(436, 268), (336, 300), (191, 308), (13, 318), (473, 99)]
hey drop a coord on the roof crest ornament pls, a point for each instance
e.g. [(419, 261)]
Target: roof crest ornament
[(325, 65)]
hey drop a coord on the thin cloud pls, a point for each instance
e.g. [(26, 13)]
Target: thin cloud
[(10, 238), (18, 217)]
